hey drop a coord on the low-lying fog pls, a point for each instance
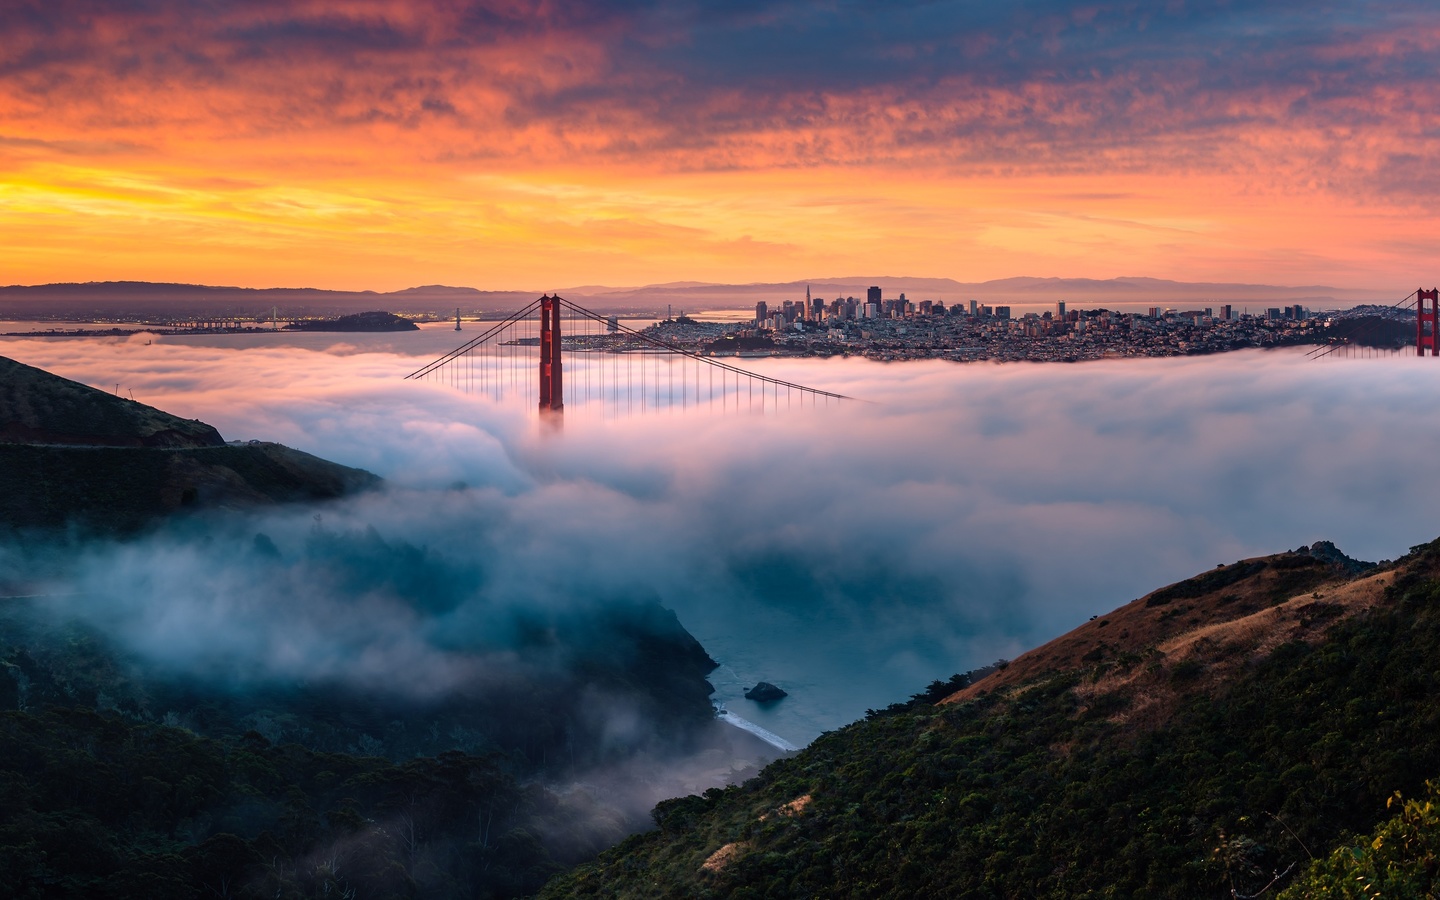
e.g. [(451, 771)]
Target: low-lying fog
[(849, 555)]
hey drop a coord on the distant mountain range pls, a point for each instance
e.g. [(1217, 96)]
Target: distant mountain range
[(112, 298), (159, 299)]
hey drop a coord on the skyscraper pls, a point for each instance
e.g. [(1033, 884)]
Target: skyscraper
[(873, 295), (1060, 310), (762, 312)]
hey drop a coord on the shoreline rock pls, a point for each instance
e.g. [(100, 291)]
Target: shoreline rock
[(765, 692)]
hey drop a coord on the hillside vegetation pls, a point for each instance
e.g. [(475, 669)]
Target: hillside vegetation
[(73, 457), (200, 766), (1401, 859), (1200, 742), (37, 407), (120, 490), (120, 779)]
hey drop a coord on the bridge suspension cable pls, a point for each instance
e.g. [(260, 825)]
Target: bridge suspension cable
[(1365, 331), (608, 363), (709, 361), (471, 345)]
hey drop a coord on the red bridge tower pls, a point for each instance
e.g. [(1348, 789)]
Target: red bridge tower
[(1427, 315), (552, 393)]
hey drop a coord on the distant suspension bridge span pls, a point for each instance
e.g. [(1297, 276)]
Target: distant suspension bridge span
[(601, 363)]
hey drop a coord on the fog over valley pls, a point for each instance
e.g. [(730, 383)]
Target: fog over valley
[(850, 555)]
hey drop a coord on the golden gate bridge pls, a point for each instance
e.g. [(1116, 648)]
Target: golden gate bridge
[(1427, 328), (584, 358)]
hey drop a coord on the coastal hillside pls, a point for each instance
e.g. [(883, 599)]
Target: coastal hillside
[(350, 714), (1178, 621), (37, 407), (1202, 741), (75, 457), (115, 490), (129, 779)]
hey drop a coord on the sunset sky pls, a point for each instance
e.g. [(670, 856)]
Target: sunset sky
[(506, 144)]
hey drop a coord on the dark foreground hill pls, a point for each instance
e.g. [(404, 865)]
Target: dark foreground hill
[(73, 456), (128, 770), (37, 407), (120, 780), (112, 490), (1203, 741)]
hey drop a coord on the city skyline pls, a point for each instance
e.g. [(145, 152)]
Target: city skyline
[(381, 145)]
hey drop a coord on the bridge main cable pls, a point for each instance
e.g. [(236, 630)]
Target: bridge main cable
[(471, 345), (709, 361), (1325, 350)]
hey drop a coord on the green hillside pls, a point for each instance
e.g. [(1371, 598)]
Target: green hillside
[(125, 773), (1201, 756), (97, 806), (1401, 859), (73, 457), (37, 407), (119, 490), (121, 779)]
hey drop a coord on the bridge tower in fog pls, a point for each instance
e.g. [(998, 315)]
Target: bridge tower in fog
[(1427, 314), (552, 383), (614, 370)]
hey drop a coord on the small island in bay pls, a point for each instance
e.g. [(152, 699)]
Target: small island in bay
[(366, 321)]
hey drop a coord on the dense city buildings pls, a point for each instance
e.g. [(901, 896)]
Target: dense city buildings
[(898, 328)]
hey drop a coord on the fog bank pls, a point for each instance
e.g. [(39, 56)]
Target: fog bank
[(852, 555)]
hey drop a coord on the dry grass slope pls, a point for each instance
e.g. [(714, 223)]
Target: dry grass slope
[(1196, 633)]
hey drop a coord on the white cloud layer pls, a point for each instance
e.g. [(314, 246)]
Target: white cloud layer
[(852, 556)]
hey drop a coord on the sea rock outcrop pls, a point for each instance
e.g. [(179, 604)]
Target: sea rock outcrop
[(765, 692)]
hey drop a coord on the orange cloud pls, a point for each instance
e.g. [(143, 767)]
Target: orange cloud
[(508, 144)]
